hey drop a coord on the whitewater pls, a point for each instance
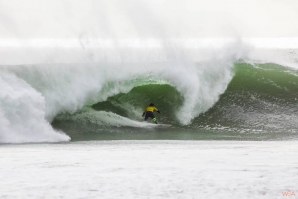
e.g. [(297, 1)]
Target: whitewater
[(170, 169)]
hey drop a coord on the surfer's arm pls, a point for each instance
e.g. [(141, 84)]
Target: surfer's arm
[(143, 114), (157, 110)]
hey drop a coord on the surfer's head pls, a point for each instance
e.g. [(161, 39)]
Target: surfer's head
[(151, 104)]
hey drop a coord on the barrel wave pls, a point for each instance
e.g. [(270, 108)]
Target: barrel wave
[(72, 88), (59, 102), (260, 96), (259, 99)]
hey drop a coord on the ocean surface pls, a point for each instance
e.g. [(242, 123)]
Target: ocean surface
[(150, 169)]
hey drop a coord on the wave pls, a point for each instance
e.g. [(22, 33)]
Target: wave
[(212, 92), (260, 97), (67, 88)]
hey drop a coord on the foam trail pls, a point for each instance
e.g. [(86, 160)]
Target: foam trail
[(107, 119)]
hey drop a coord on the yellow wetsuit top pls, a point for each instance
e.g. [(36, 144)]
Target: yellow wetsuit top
[(151, 109)]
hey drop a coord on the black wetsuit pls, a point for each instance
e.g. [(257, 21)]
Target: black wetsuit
[(149, 113)]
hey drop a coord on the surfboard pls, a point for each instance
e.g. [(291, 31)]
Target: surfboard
[(163, 125)]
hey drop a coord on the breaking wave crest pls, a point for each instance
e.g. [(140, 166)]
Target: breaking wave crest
[(193, 89), (55, 89)]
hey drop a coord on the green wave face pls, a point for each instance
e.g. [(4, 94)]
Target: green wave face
[(260, 99)]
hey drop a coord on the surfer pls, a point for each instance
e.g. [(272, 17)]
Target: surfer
[(148, 113)]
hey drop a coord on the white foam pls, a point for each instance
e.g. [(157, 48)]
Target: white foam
[(151, 169), (22, 113)]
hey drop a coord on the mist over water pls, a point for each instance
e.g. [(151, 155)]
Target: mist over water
[(61, 59)]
